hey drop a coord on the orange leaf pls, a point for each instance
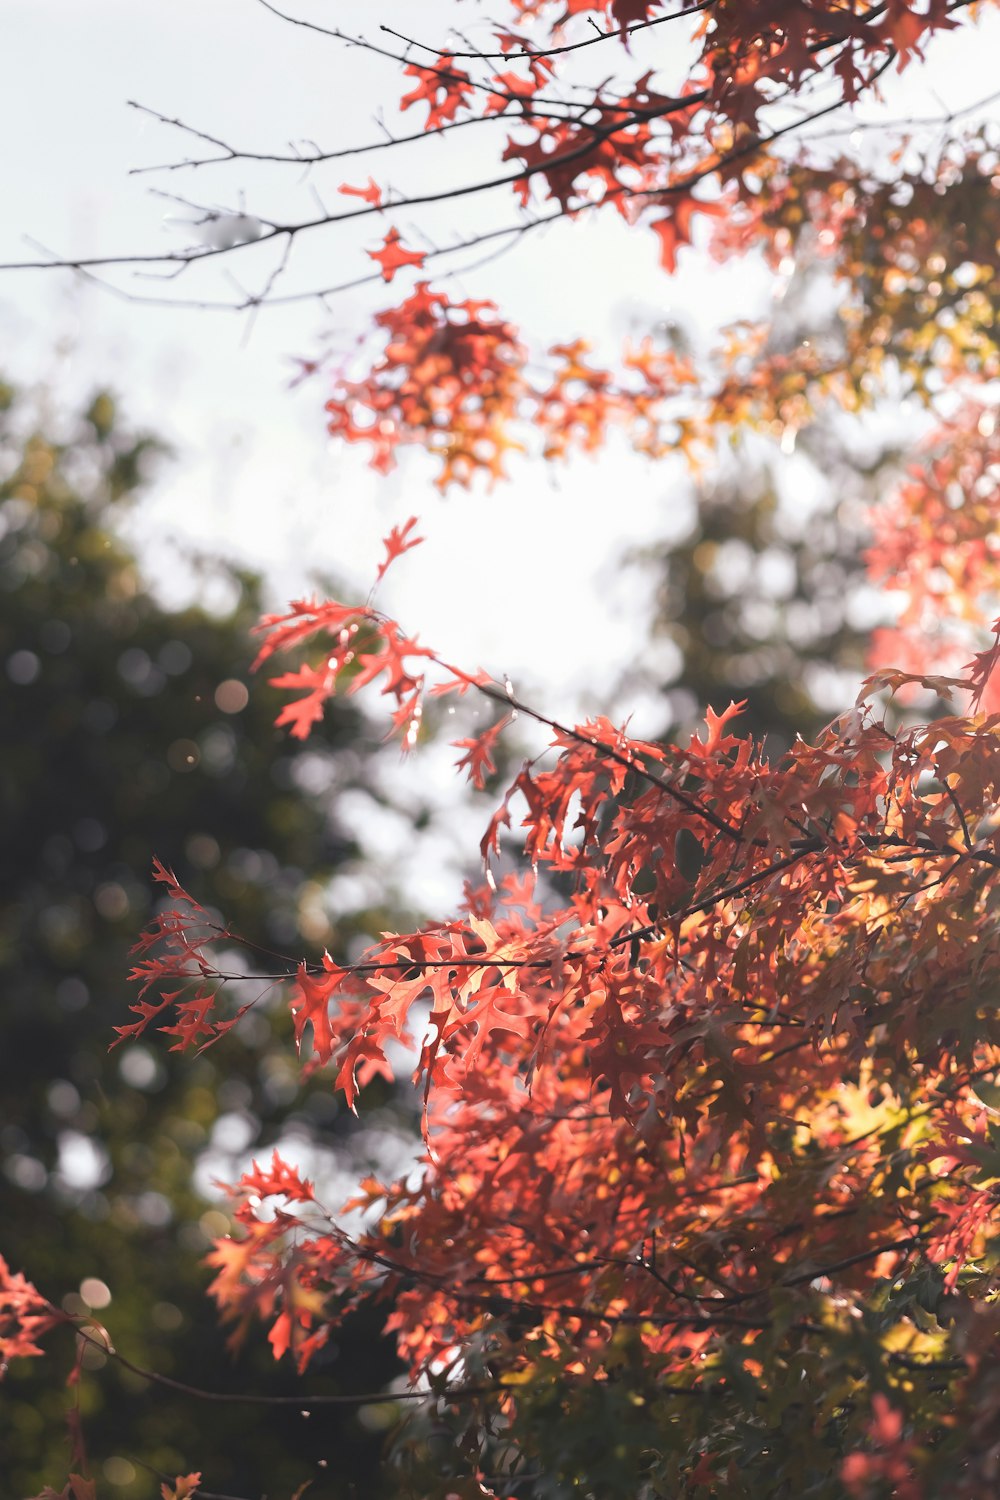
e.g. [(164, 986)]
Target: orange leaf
[(392, 255), (370, 193)]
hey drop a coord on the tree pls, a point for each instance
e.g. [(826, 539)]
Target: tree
[(764, 597), (710, 1057), (126, 727)]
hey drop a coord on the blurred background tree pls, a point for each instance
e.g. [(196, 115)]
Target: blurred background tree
[(758, 603), (126, 730), (764, 597)]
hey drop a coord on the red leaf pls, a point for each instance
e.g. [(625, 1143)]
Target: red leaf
[(370, 193), (303, 619), (675, 230), (444, 88), (478, 757), (280, 1179), (25, 1316), (392, 255), (302, 713), (396, 543), (310, 1005)]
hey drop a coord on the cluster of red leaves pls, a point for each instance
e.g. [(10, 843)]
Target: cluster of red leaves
[(25, 1316), (252, 1280), (936, 545), (637, 142), (456, 379), (889, 1462), (775, 41), (915, 245), (450, 378), (176, 945), (637, 1088), (453, 379), (644, 150)]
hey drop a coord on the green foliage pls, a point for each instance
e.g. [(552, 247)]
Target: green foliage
[(126, 731)]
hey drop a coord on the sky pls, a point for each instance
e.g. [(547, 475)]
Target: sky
[(525, 580), (256, 477)]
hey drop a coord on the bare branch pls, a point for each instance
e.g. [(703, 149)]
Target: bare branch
[(447, 75), (317, 157), (616, 33), (246, 1398)]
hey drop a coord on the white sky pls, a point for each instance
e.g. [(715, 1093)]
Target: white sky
[(524, 580), (521, 580)]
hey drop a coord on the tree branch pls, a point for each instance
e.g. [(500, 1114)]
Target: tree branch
[(619, 33)]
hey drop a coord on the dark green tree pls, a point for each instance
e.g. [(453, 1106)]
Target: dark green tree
[(764, 597), (757, 605), (126, 731)]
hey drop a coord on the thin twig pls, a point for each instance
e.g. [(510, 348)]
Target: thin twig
[(244, 1398), (621, 33)]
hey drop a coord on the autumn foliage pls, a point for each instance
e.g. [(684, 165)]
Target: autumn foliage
[(722, 1116), (709, 1059), (25, 1316), (908, 233)]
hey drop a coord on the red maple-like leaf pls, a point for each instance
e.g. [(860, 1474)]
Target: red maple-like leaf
[(370, 193), (675, 230), (396, 543), (280, 1179), (310, 1006), (979, 671), (444, 88), (479, 751), (303, 619), (392, 255), (305, 711)]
